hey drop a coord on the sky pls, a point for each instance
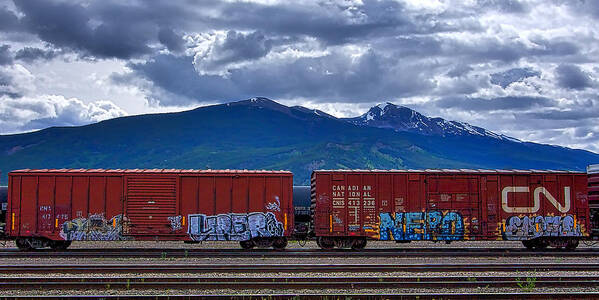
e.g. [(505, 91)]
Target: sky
[(526, 69)]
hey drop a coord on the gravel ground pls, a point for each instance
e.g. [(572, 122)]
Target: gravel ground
[(294, 260), (298, 260), (557, 274), (267, 292)]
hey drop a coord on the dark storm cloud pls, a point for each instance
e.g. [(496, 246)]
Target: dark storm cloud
[(68, 25), (6, 85), (588, 7), (5, 55), (557, 47), (131, 29), (234, 47), (501, 103), (554, 114), (30, 54), (128, 29), (329, 22), (413, 45), (8, 20), (508, 6), (5, 81), (459, 70), (488, 49), (178, 76), (492, 48), (6, 78), (238, 46), (510, 76), (103, 28), (173, 41), (336, 77), (571, 77)]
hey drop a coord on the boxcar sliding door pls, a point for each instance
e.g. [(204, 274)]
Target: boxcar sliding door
[(456, 199), (150, 200)]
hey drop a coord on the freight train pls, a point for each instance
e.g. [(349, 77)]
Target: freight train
[(3, 203), (340, 208)]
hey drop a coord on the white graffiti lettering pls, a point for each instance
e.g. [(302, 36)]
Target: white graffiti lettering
[(175, 222), (93, 228), (274, 206), (537, 199), (234, 227), (527, 227)]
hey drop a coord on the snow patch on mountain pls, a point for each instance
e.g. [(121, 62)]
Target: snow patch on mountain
[(382, 106), (401, 118), (369, 116)]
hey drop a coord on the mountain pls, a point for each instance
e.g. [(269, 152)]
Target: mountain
[(401, 118), (259, 133)]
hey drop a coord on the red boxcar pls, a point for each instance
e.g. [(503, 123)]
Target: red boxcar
[(54, 207), (540, 208)]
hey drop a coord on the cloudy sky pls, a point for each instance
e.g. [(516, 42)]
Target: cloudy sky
[(527, 69)]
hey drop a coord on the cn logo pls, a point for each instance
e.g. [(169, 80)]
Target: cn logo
[(537, 199)]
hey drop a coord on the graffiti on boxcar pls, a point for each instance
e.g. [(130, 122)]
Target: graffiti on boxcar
[(93, 228), (234, 227), (337, 220), (416, 226), (526, 227), (274, 206), (175, 222)]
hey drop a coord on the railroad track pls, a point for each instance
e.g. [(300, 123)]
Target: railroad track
[(291, 268), (477, 285), (237, 283), (406, 252), (385, 296)]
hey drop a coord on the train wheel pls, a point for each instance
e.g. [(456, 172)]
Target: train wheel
[(541, 244), (263, 243), (280, 243), (247, 244), (572, 244), (23, 244), (326, 243), (359, 244), (60, 245), (530, 245)]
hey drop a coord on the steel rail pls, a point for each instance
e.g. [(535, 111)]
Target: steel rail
[(236, 283), (279, 279), (274, 268), (410, 295)]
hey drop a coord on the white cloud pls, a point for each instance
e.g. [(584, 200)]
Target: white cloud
[(32, 113), (16, 80)]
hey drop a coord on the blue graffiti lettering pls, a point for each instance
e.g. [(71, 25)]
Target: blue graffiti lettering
[(417, 226), (395, 226), (452, 227), (414, 226)]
